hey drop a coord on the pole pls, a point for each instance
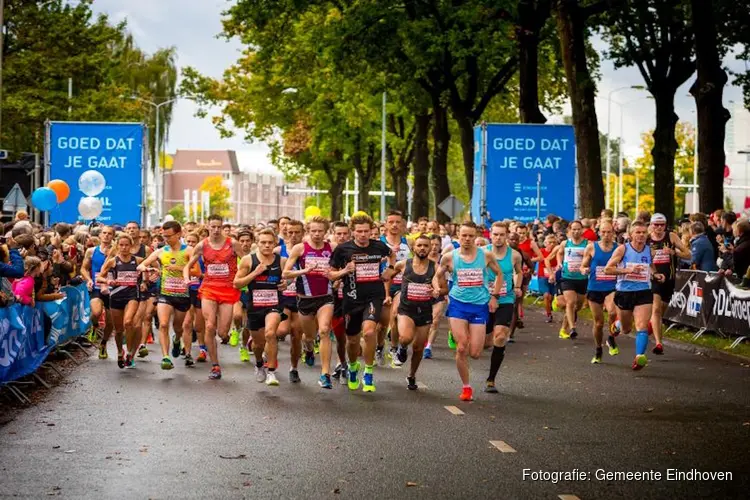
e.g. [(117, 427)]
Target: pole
[(346, 199), (538, 194), (382, 165), (637, 188), (619, 163), (356, 189), (70, 96), (409, 198), (157, 172), (609, 166), (2, 36), (695, 167)]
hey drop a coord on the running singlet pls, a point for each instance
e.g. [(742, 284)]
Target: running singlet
[(314, 283), (525, 248), (126, 277), (572, 259), (663, 262), (469, 278), (97, 261), (635, 281), (416, 289), (195, 281), (221, 265), (542, 270), (291, 290), (364, 284), (264, 289), (598, 280), (172, 282), (506, 266), (402, 252), (141, 251)]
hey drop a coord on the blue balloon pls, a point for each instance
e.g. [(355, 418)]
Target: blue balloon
[(44, 199)]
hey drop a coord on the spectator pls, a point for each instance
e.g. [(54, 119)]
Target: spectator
[(23, 288), (726, 229), (13, 267), (588, 231), (702, 252), (710, 233), (741, 248), (643, 216), (22, 215)]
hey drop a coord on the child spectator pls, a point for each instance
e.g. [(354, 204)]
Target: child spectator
[(23, 288)]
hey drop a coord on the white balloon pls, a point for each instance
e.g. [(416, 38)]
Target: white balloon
[(90, 208), (92, 183), (168, 218)]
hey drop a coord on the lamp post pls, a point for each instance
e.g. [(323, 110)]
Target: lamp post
[(609, 123)]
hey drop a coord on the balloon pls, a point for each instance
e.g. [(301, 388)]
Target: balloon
[(726, 171), (90, 208), (312, 212), (44, 199), (92, 183), (61, 189)]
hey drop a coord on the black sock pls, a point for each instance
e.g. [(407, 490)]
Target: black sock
[(259, 364), (498, 353), (598, 352)]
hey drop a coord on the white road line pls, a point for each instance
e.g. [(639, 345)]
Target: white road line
[(568, 497), (454, 410), (422, 386), (503, 446)]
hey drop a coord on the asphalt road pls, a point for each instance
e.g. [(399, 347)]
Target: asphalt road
[(147, 433)]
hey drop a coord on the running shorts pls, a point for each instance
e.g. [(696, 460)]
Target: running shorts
[(394, 290), (181, 304), (475, 314), (245, 299), (256, 320), (359, 313), (96, 294), (545, 286), (597, 297), (121, 304), (421, 315), (195, 300), (663, 290), (627, 301), (220, 295), (309, 306), (577, 286), (289, 303), (504, 315)]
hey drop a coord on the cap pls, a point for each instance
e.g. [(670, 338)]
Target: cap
[(658, 218)]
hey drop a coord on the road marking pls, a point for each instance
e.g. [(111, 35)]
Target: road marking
[(568, 497), (503, 446), (454, 410), (422, 386)]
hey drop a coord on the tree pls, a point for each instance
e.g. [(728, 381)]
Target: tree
[(178, 212), (218, 194)]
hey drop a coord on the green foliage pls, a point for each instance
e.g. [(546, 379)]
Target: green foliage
[(178, 212)]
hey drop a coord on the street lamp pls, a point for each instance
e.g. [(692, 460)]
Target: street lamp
[(609, 123)]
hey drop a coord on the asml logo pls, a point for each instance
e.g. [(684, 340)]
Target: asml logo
[(695, 300)]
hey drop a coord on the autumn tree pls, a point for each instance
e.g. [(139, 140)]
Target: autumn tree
[(218, 195)]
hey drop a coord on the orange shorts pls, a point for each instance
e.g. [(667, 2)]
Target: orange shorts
[(221, 295)]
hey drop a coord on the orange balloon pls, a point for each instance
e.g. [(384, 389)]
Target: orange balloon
[(61, 189)]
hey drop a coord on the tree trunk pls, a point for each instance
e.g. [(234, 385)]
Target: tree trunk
[(420, 204), (582, 91), (530, 22), (366, 174), (663, 152), (400, 187), (441, 138), (337, 179), (708, 91), (466, 130)]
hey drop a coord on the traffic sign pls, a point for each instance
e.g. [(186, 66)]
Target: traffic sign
[(15, 200), (451, 206)]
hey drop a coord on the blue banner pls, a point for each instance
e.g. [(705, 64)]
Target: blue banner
[(521, 159), (115, 150)]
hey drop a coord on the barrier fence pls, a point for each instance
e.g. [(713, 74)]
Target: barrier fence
[(24, 341)]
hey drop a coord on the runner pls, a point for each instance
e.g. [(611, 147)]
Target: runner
[(241, 307), (309, 265), (123, 297), (173, 301), (419, 287), (601, 287), (194, 319), (93, 260), (573, 282), (469, 297), (527, 265), (395, 240), (357, 262), (261, 273), (292, 324), (531, 253), (545, 287), (217, 291), (633, 265), (341, 234), (667, 247), (438, 306), (511, 265)]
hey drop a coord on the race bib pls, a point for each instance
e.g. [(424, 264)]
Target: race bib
[(217, 270), (367, 272), (195, 280), (574, 258), (662, 257), (174, 285), (639, 276), (127, 278), (503, 290), (321, 264), (468, 278), (418, 292), (396, 280), (265, 298), (291, 289), (601, 276)]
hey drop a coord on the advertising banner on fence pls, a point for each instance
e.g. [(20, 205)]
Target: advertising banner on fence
[(115, 150), (709, 301)]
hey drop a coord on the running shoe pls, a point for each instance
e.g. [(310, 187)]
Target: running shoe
[(234, 337), (92, 335), (244, 355), (202, 356), (166, 364), (103, 352), (427, 353), (368, 382), (316, 344), (310, 358), (511, 339), (260, 374), (549, 319), (380, 356), (176, 348), (353, 378), (344, 376), (391, 353), (401, 355), (490, 387), (615, 328), (337, 371), (142, 351), (294, 376), (120, 361), (129, 362), (411, 383), (639, 362), (215, 373), (467, 394), (573, 333), (451, 341), (658, 349), (519, 324), (271, 379), (563, 334), (325, 382), (189, 360), (613, 349), (597, 359)]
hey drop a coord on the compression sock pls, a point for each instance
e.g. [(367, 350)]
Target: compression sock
[(641, 342), (259, 363), (498, 354), (368, 369)]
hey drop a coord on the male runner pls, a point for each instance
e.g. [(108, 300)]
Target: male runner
[(261, 273), (601, 287), (469, 298), (309, 265), (173, 301), (93, 260), (240, 309), (194, 318), (357, 262), (419, 287), (438, 306), (530, 250), (667, 247), (510, 263), (632, 263), (217, 291), (341, 234), (394, 238), (574, 283), (292, 324)]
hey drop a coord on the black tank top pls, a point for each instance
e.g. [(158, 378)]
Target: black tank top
[(141, 252), (416, 289), (264, 289), (663, 262), (126, 277)]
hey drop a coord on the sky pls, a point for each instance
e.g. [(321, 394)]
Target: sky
[(192, 27)]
